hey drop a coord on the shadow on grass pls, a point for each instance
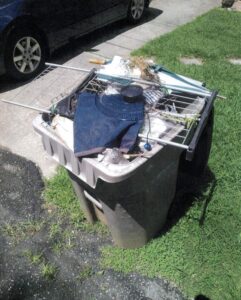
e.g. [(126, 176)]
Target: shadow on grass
[(189, 190), (201, 297)]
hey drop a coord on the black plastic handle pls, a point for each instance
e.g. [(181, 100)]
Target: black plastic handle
[(202, 123)]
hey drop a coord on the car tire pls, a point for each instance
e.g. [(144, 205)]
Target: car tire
[(147, 3), (24, 54), (136, 10), (197, 166)]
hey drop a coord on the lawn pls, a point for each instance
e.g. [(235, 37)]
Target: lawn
[(200, 259)]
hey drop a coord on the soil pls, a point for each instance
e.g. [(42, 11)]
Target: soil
[(28, 247), (191, 61), (235, 61), (237, 6)]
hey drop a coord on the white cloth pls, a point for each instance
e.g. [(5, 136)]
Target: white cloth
[(63, 127), (119, 67)]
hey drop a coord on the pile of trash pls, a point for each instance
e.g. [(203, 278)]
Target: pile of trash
[(126, 108)]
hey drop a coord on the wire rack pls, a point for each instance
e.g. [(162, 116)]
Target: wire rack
[(47, 89), (180, 110)]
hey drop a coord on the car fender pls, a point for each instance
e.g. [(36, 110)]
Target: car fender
[(22, 22)]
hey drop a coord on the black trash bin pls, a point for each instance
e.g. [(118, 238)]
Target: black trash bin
[(133, 199)]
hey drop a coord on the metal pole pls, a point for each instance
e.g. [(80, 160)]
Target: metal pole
[(26, 106), (163, 141), (130, 78), (93, 200), (67, 67), (104, 75)]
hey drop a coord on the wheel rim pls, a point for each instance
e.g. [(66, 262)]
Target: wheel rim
[(137, 8), (27, 55)]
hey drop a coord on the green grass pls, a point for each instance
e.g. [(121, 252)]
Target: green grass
[(59, 192), (63, 239), (202, 259), (19, 231), (85, 273), (48, 271), (34, 258), (59, 195)]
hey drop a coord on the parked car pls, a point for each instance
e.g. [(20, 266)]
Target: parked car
[(30, 30)]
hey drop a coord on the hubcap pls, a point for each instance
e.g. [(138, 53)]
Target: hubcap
[(27, 55), (137, 8)]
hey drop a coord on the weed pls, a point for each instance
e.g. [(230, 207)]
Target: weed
[(55, 230), (64, 241), (57, 247), (68, 237), (48, 270), (22, 230), (35, 259), (85, 273)]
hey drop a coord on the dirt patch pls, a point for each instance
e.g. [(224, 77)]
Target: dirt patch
[(236, 6), (42, 256), (191, 61), (235, 61)]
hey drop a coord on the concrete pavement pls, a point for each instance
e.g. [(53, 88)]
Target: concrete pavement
[(16, 132)]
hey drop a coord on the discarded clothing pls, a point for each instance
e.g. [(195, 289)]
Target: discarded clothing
[(105, 121)]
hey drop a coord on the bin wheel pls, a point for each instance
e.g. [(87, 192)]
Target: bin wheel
[(25, 54), (197, 166)]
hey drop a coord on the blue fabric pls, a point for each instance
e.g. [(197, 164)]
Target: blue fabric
[(103, 121)]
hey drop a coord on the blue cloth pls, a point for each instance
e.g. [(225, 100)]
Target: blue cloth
[(103, 121)]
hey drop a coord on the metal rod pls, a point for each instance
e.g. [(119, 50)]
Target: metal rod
[(181, 108), (163, 141), (221, 97), (179, 101), (93, 200), (187, 134), (189, 98), (183, 89), (176, 101), (201, 125), (107, 76), (181, 116), (178, 135), (26, 106), (67, 67), (131, 78)]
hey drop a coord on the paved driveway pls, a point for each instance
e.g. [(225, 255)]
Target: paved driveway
[(26, 231), (16, 132)]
